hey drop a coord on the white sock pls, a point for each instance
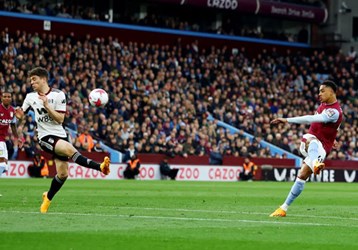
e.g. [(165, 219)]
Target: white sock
[(284, 206), (295, 191)]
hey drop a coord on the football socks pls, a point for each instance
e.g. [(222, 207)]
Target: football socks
[(84, 161), (56, 185), (295, 191)]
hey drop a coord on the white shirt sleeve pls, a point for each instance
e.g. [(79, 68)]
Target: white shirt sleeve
[(26, 104), (60, 102), (328, 115)]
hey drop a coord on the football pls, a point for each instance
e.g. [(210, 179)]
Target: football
[(98, 98)]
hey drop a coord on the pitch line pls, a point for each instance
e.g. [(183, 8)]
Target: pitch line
[(185, 218), (233, 212)]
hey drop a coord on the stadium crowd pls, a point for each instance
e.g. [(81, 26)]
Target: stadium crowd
[(72, 10), (161, 96), (231, 25)]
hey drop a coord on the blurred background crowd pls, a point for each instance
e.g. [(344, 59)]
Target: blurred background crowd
[(161, 96), (177, 18)]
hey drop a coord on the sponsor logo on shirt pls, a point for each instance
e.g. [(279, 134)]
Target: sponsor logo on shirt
[(330, 112)]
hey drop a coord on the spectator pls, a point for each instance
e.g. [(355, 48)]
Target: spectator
[(166, 170), (97, 147), (249, 170), (132, 169), (130, 151), (30, 124), (302, 36), (352, 55), (39, 168), (86, 140), (215, 157), (31, 146)]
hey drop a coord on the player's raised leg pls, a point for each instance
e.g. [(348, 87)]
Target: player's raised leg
[(65, 148), (105, 165), (314, 151)]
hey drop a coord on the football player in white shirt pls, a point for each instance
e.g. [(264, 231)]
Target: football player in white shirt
[(49, 106)]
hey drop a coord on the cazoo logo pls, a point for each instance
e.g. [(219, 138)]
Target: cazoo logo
[(326, 175), (223, 4)]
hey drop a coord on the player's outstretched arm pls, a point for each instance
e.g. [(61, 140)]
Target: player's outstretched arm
[(308, 119), (279, 120)]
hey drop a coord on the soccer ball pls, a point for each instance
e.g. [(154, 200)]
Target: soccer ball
[(98, 98)]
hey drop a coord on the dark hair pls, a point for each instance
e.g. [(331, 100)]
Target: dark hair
[(6, 91), (330, 84), (39, 71)]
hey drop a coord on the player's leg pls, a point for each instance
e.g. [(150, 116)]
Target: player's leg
[(315, 156), (59, 179), (64, 148), (295, 191), (56, 184), (3, 159)]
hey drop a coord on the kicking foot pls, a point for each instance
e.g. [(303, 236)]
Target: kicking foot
[(318, 166), (105, 166)]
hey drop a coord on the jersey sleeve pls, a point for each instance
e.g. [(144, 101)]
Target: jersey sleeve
[(330, 115), (26, 104), (327, 115), (306, 119), (60, 103)]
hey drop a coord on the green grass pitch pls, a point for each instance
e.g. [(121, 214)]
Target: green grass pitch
[(95, 214)]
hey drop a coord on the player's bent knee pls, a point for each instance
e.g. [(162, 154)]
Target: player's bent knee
[(62, 176)]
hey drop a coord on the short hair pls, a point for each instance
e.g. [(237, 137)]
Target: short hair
[(38, 71), (8, 91), (330, 84)]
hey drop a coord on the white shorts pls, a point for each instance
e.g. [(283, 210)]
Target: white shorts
[(304, 147), (3, 154)]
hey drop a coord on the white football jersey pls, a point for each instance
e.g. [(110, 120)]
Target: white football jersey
[(45, 124)]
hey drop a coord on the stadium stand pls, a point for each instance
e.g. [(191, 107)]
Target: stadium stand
[(162, 15), (161, 95)]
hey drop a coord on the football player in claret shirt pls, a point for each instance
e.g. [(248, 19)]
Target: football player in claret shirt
[(7, 119), (317, 143), (49, 106)]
